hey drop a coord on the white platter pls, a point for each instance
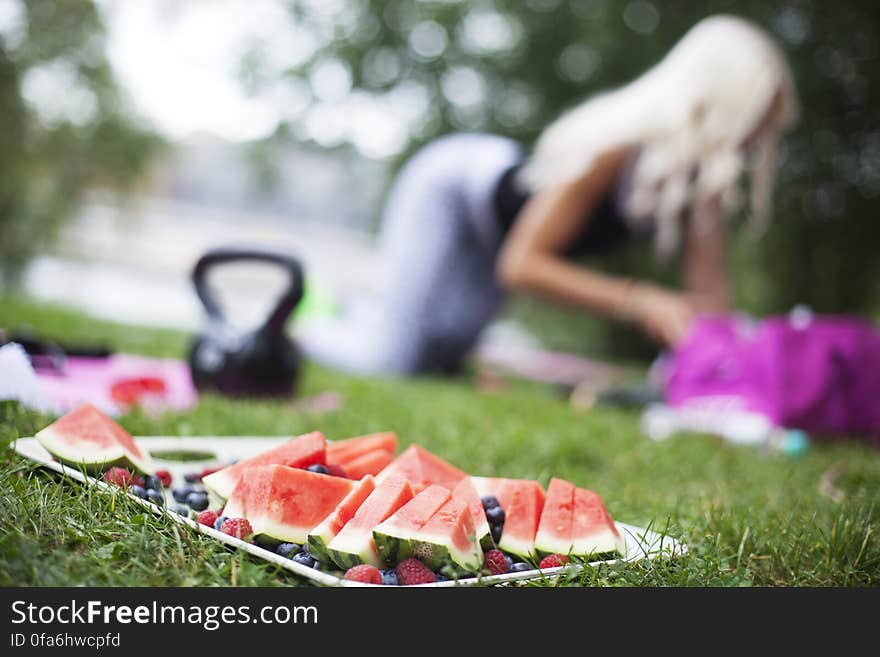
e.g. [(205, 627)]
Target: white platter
[(640, 543)]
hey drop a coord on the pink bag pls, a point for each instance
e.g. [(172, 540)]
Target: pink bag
[(816, 373)]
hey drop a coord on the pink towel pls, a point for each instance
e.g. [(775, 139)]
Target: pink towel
[(118, 382)]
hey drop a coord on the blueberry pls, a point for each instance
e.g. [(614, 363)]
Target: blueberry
[(304, 558), (489, 502), (495, 515), (197, 501), (180, 493), (440, 577), (181, 510), (317, 467), (152, 483), (496, 532), (140, 491), (192, 477), (287, 550), (156, 497), (198, 488), (219, 522), (389, 577), (520, 567)]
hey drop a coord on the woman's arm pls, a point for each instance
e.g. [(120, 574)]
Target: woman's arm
[(704, 263), (531, 260)]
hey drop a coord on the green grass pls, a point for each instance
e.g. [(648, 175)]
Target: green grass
[(748, 517)]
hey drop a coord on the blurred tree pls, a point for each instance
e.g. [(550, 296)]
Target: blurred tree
[(511, 66), (66, 127)]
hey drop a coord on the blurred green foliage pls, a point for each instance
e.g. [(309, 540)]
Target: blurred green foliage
[(511, 66), (66, 127)]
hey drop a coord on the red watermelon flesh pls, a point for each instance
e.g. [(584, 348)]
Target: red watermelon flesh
[(321, 535), (299, 452), (370, 463), (448, 538), (592, 529), (422, 468), (285, 503), (354, 543), (554, 528), (466, 493), (523, 502), (343, 451), (87, 437), (392, 535)]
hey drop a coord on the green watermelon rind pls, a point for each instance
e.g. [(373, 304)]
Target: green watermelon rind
[(392, 548), (350, 551), (102, 460), (604, 544), (523, 549), (318, 541), (436, 553)]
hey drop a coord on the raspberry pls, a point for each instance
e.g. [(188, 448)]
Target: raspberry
[(119, 476), (364, 573), (495, 562), (165, 477), (336, 470), (238, 527), (208, 517), (553, 561), (412, 571)]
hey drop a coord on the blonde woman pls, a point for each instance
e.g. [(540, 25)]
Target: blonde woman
[(472, 216)]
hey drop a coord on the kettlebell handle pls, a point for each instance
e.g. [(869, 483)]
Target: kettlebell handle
[(222, 255)]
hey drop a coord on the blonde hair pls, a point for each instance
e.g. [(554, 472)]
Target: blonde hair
[(688, 117)]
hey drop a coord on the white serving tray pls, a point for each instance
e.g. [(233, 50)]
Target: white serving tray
[(640, 543)]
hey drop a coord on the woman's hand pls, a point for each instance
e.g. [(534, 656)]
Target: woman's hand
[(663, 314)]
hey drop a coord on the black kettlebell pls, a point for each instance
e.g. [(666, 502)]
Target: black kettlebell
[(260, 363)]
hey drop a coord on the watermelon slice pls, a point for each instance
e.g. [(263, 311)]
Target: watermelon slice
[(554, 528), (466, 492), (523, 502), (575, 522), (321, 535), (85, 437), (285, 504), (343, 451), (422, 468), (299, 452), (448, 538), (593, 531), (392, 534), (354, 543), (370, 463)]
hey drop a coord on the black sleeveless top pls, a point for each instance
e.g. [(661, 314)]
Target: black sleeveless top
[(606, 229)]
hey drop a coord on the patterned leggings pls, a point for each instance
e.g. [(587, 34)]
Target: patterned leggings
[(438, 247)]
